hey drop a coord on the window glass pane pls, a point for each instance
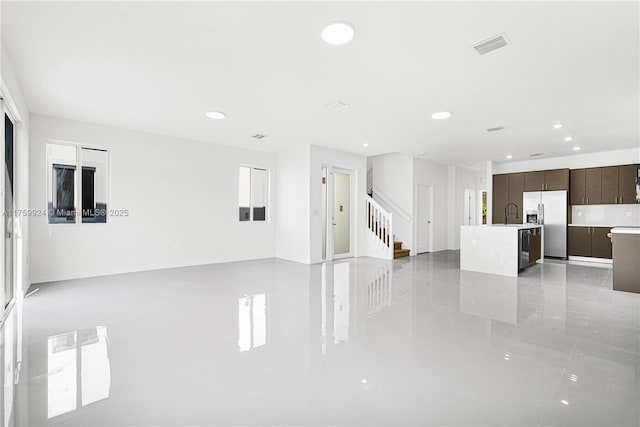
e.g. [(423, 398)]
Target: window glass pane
[(94, 185), (244, 194), (259, 194), (61, 164)]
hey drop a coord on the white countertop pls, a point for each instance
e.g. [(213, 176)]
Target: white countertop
[(592, 225), (516, 226), (626, 230)]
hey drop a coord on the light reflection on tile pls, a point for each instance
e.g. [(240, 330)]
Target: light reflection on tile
[(252, 321), (78, 370), (358, 341)]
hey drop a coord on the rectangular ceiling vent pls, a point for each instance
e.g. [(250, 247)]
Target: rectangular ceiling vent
[(491, 44), (337, 105), (259, 136), (496, 129)]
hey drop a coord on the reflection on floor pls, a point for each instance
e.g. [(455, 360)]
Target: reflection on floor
[(78, 370), (359, 341)]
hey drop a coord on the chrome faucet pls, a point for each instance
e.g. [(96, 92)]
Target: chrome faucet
[(507, 211)]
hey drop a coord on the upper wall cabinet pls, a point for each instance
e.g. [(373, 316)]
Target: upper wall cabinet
[(607, 185), (550, 180), (507, 188), (627, 183)]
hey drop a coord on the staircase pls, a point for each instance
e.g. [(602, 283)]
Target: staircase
[(398, 252), (380, 226)]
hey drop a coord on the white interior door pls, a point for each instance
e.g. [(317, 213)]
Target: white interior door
[(338, 223), (425, 222), (341, 213)]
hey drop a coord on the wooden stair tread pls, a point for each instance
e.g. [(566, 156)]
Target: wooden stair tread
[(400, 253)]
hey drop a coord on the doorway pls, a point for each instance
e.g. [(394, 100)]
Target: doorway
[(8, 247), (424, 226), (337, 227), (469, 207)]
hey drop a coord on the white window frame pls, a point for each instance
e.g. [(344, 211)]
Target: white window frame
[(77, 194), (267, 218)]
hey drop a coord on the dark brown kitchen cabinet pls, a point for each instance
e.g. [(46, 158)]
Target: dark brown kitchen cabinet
[(600, 242), (586, 186), (507, 188), (626, 187), (500, 197), (607, 185), (610, 185), (556, 179), (534, 181), (590, 242), (579, 241), (549, 180), (577, 188), (593, 186), (516, 190)]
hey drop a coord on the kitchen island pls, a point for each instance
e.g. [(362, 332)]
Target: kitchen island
[(500, 249), (626, 259)]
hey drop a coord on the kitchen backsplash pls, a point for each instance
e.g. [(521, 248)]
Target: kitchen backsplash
[(613, 215)]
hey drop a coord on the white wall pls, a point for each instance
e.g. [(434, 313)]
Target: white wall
[(299, 222), (293, 220), (577, 161), (10, 90), (393, 184), (182, 197), (358, 164)]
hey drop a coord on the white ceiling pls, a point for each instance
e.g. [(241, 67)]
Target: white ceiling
[(159, 66)]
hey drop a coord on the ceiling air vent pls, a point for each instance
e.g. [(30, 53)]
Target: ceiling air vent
[(337, 105), (491, 44), (495, 129), (535, 154), (259, 136)]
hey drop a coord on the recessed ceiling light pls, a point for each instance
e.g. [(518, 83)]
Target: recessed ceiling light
[(365, 144), (216, 115), (564, 402), (576, 148), (440, 115), (568, 138), (557, 126), (338, 33), (509, 156)]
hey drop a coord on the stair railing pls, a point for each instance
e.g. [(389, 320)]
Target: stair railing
[(380, 226)]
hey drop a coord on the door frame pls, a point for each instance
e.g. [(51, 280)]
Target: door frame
[(330, 256), (416, 245), (8, 107)]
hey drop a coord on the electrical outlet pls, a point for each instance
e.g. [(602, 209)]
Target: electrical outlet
[(579, 213), (629, 214)]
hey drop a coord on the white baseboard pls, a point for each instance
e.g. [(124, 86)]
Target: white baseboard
[(591, 260)]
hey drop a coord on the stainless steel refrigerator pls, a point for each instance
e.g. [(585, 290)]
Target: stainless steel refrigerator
[(548, 208)]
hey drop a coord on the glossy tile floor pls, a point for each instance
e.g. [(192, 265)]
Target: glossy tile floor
[(360, 341)]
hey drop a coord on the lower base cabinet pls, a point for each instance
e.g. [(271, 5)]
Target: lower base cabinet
[(590, 242)]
